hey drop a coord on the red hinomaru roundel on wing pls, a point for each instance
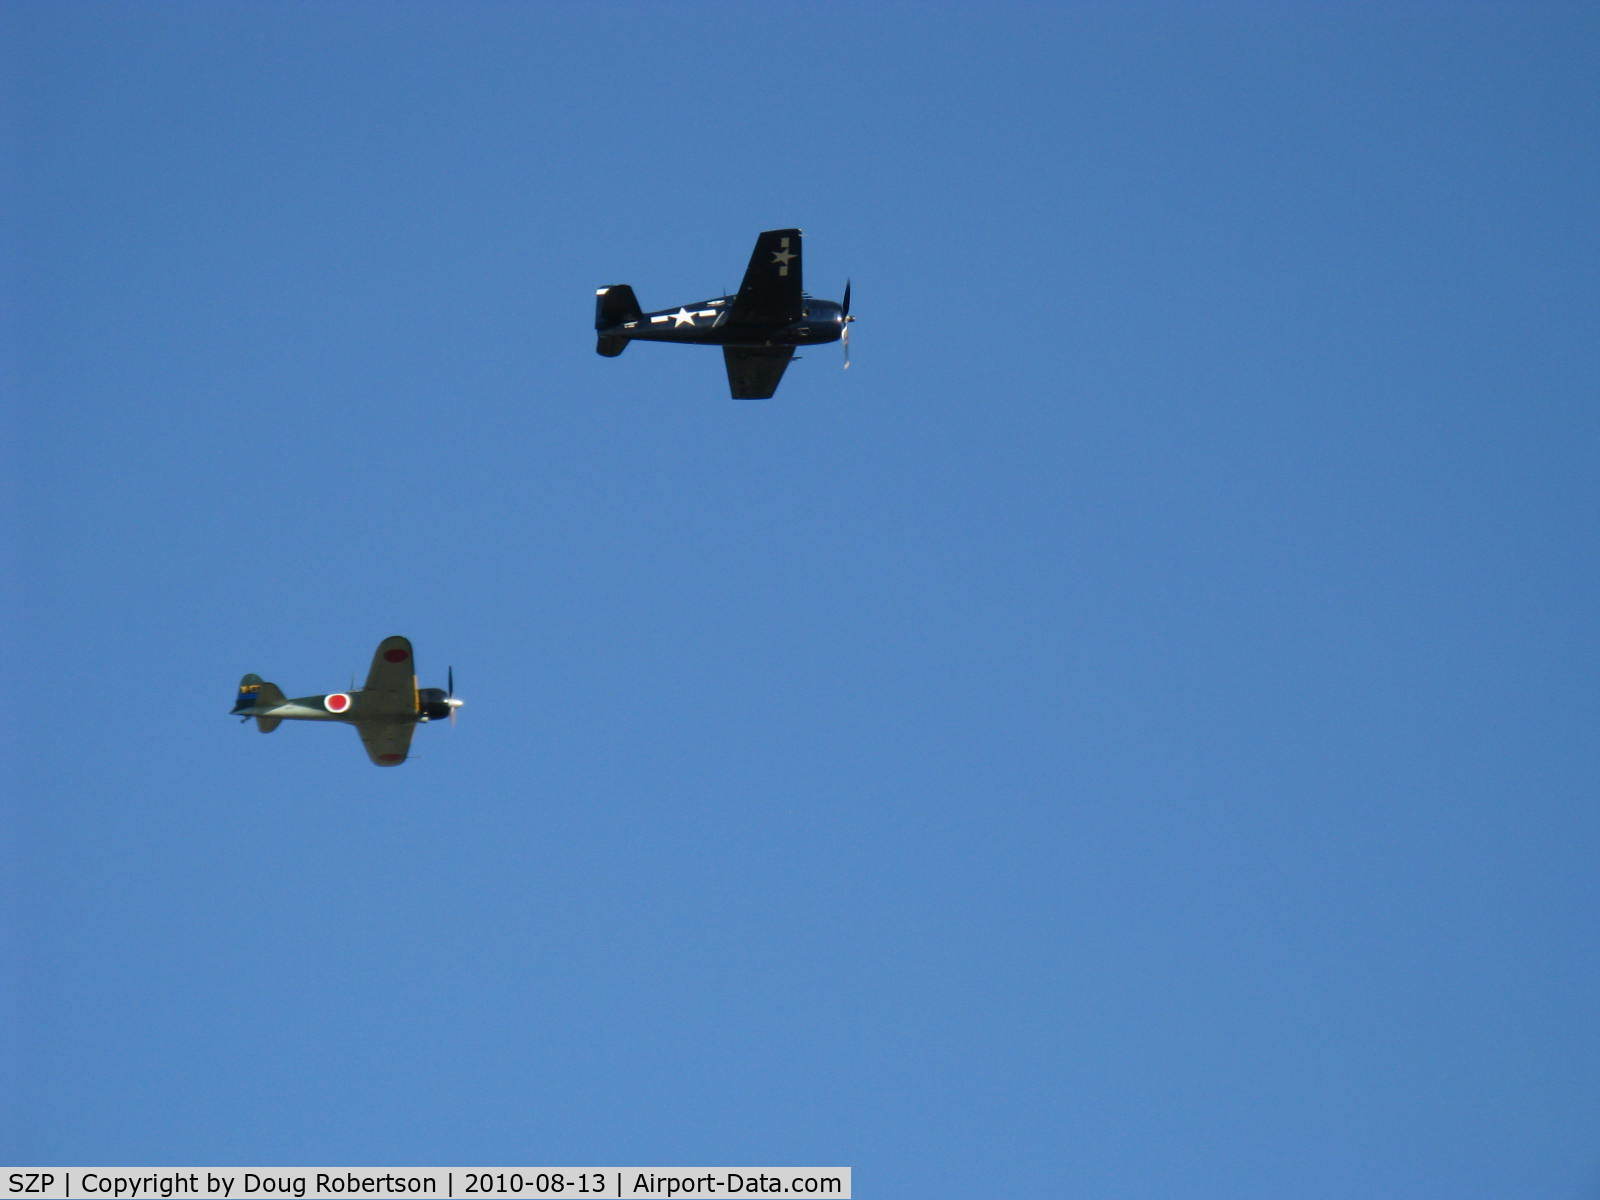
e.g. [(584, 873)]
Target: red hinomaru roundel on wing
[(396, 654), (338, 702)]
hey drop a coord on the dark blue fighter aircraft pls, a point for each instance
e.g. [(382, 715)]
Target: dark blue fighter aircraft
[(758, 328)]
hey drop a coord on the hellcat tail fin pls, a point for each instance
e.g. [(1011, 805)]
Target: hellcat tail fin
[(613, 305)]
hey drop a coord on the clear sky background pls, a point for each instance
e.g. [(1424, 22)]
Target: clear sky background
[(1132, 735)]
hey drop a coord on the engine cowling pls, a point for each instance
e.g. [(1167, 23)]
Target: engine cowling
[(433, 704)]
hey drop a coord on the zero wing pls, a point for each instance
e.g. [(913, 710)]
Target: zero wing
[(753, 373), (770, 293), (392, 681), (387, 742)]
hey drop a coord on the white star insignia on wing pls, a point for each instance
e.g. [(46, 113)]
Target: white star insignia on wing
[(782, 257), (682, 317)]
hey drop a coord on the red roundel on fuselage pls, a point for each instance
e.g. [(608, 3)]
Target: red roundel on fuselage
[(338, 702), (396, 654)]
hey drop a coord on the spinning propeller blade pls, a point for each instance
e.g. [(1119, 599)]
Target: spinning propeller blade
[(844, 336)]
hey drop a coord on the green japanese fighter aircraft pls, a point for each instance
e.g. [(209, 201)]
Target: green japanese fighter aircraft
[(385, 712)]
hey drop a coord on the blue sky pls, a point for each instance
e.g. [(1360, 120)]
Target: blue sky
[(1132, 735)]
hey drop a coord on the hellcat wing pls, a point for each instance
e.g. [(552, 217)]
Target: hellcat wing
[(770, 293), (754, 372)]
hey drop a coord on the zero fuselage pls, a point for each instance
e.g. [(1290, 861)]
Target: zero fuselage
[(352, 708)]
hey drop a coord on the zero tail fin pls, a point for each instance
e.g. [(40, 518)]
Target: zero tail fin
[(254, 694)]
